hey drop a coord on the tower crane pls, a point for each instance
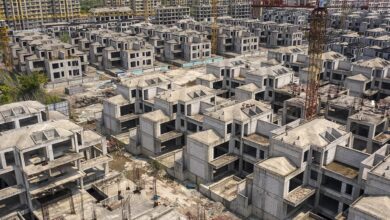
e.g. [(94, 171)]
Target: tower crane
[(214, 26), (317, 40)]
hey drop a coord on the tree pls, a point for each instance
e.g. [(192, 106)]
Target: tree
[(26, 87), (31, 84), (86, 5), (65, 38), (7, 94)]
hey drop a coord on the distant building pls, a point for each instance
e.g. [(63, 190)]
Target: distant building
[(33, 13)]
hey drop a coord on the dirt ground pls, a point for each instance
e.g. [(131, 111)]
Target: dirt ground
[(171, 193)]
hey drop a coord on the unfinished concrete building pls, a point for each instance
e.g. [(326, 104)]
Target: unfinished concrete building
[(270, 34), (373, 204), (141, 90), (232, 40), (236, 40), (47, 160), (236, 79), (61, 62), (110, 51), (136, 96), (118, 115), (359, 20), (202, 12), (116, 3), (163, 130), (21, 114), (230, 142), (369, 129), (313, 174), (184, 48), (190, 46), (291, 16), (171, 14), (32, 14), (287, 181), (340, 108), (109, 14), (370, 78)]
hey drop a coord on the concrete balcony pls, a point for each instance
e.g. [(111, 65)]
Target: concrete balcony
[(11, 191), (299, 195), (36, 169), (70, 176), (95, 162)]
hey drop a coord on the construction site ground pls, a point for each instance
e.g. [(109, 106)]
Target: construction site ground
[(188, 202)]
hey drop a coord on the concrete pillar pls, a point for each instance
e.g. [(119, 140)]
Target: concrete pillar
[(88, 153), (17, 124), (81, 183), (39, 116), (22, 163), (75, 144), (104, 146), (3, 162), (49, 152), (106, 168)]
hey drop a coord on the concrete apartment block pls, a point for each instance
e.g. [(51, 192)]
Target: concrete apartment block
[(117, 3), (107, 14), (291, 16), (48, 156), (202, 12), (240, 10), (170, 15), (32, 14), (21, 114), (138, 6)]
